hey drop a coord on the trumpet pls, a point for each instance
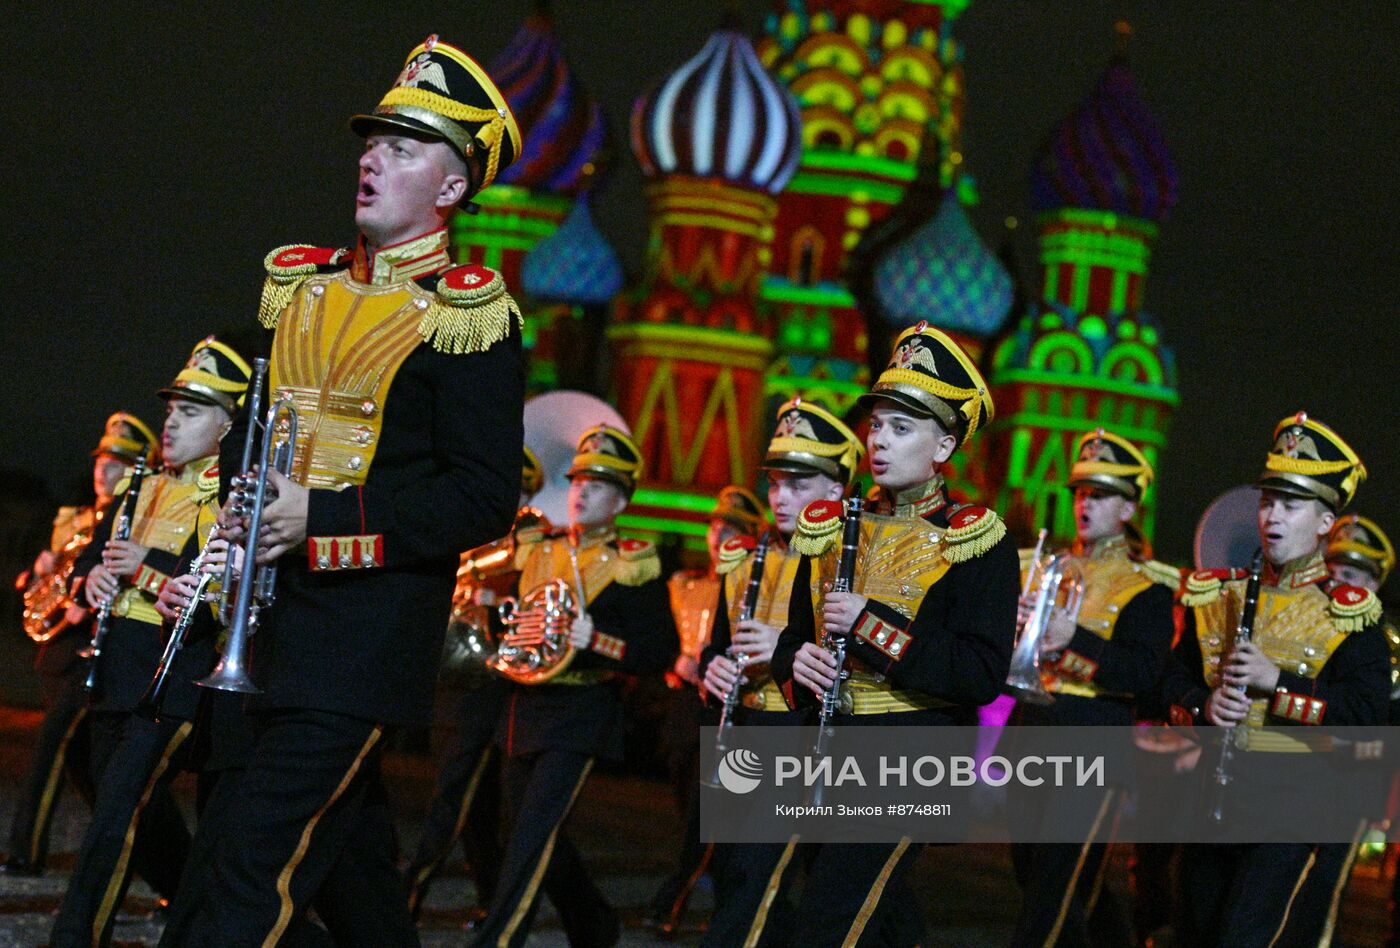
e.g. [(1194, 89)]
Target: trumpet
[(731, 697), (152, 703), (1049, 580), (257, 585), (255, 400)]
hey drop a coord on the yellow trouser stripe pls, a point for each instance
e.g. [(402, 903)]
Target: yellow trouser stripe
[(462, 812), (284, 878), (872, 898), (760, 918), (1341, 885), (114, 884), (523, 906), (1297, 887), (41, 814), (1078, 868)]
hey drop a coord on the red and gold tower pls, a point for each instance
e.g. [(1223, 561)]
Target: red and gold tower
[(717, 139), (879, 84)]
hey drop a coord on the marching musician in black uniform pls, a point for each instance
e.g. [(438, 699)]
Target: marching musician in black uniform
[(564, 709), (812, 456), (1094, 665), (54, 614), (135, 757), (467, 802), (1316, 656), (936, 642), (695, 595), (1358, 554), (406, 375)]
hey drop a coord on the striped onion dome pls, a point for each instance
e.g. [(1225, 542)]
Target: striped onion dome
[(943, 272), (720, 115), (562, 125), (1108, 155), (575, 264)]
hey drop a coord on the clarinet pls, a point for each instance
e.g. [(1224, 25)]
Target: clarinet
[(836, 644), (121, 530), (152, 703), (731, 697), (1243, 631)]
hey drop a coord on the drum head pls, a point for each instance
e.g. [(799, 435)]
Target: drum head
[(554, 422), (1228, 533)]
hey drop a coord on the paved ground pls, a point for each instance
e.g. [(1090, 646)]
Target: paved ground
[(623, 826)]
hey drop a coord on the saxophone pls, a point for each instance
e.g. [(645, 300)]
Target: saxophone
[(46, 597)]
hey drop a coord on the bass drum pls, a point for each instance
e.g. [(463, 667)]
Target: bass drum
[(554, 422), (1228, 532)]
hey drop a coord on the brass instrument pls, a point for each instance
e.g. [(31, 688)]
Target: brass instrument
[(120, 531), (1052, 582), (1244, 629), (250, 436), (257, 584), (152, 703), (46, 597), (741, 661), (484, 572), (536, 646)]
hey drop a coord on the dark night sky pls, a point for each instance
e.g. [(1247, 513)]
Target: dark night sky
[(157, 151)]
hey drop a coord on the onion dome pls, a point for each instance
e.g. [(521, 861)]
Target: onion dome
[(575, 264), (720, 115), (563, 126), (1108, 155), (943, 273)]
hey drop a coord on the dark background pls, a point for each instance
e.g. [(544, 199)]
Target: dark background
[(155, 152)]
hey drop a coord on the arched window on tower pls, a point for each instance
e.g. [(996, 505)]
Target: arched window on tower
[(807, 247)]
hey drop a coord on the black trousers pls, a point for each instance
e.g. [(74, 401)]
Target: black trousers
[(134, 761), (1060, 882), (1312, 920), (680, 740), (1240, 895), (843, 900), (751, 897), (309, 816), (63, 749), (752, 903), (543, 789), (467, 801)]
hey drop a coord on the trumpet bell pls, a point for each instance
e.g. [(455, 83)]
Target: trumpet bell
[(1028, 688), (230, 675)]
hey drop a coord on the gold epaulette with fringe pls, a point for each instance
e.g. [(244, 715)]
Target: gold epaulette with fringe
[(1164, 574), (818, 527), (206, 489), (1203, 586), (638, 562), (525, 540), (972, 531), (472, 311), (1353, 608), (286, 268), (732, 553)]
